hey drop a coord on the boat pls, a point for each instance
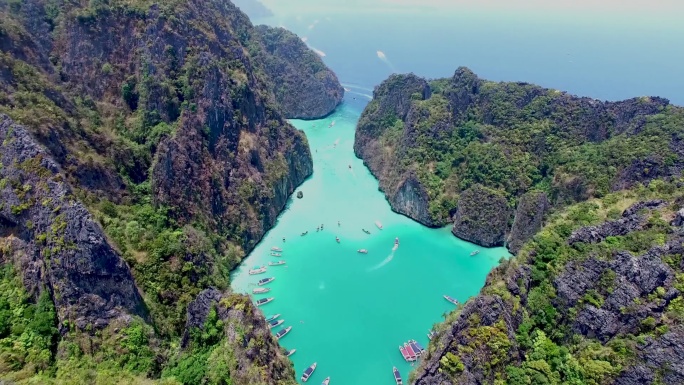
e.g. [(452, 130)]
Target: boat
[(274, 254), (308, 372), (264, 301), (276, 249), (272, 317), (406, 354), (450, 299), (281, 262), (397, 376), (476, 252), (337, 239), (379, 224), (326, 381), (257, 270), (410, 351), (275, 322), (261, 290), (420, 347), (290, 352), (366, 231), (362, 251), (431, 335), (304, 233), (265, 281), (281, 333), (396, 241), (415, 348)]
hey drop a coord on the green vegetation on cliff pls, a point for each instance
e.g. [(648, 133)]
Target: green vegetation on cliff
[(594, 298), (460, 132), (165, 120)]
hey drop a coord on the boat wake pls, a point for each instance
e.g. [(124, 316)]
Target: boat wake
[(385, 261)]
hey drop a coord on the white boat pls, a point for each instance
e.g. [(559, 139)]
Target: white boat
[(450, 299), (274, 248), (308, 372), (476, 252), (281, 333), (290, 352), (326, 381), (257, 270), (397, 376), (379, 224), (281, 262), (275, 323), (362, 251), (264, 301), (272, 317), (261, 290), (265, 281), (274, 254)]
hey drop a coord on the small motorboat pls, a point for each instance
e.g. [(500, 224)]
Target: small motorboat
[(431, 335), (379, 224), (337, 239), (396, 241), (366, 231), (362, 251), (272, 317), (476, 252), (304, 233), (265, 281), (281, 262), (326, 381), (397, 376), (274, 248), (419, 346), (410, 351), (261, 290), (281, 333), (264, 301), (257, 270), (290, 352), (450, 299), (308, 372), (415, 348), (275, 322), (274, 254)]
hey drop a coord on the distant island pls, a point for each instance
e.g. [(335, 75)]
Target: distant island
[(255, 9), (492, 158)]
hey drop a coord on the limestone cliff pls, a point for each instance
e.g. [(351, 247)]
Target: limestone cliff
[(164, 120), (595, 297), (529, 216), (481, 216), (55, 243), (304, 87), (428, 142)]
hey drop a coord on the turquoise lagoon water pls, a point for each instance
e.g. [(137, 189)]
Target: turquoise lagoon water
[(350, 311)]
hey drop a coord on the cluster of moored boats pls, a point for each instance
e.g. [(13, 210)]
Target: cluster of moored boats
[(411, 350)]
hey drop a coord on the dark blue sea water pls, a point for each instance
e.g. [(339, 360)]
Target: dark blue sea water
[(604, 56)]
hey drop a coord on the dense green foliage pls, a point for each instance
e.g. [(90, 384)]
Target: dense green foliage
[(516, 137), (109, 95), (550, 350)]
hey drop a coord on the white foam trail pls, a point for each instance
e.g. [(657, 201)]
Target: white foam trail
[(387, 260), (367, 96), (382, 56)]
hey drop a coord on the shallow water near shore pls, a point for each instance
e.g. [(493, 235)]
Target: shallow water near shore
[(349, 311)]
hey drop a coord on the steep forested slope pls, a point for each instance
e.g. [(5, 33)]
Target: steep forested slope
[(491, 158), (596, 297), (144, 152)]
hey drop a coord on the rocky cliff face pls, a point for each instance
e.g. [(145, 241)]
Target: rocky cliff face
[(302, 84), (164, 120), (483, 224), (56, 244), (529, 216), (247, 336), (599, 304), (430, 141)]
